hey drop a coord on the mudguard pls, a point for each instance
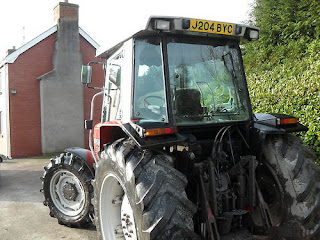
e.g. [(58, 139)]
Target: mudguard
[(265, 123), (85, 155)]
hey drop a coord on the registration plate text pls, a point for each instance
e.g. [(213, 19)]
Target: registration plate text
[(211, 27)]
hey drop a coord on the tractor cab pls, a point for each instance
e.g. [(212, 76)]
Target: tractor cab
[(178, 72)]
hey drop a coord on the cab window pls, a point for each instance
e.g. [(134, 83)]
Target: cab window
[(113, 87), (206, 82), (149, 93)]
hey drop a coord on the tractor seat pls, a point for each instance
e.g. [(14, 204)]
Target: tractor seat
[(188, 102)]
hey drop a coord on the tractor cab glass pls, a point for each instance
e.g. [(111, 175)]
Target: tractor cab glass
[(149, 97), (204, 78), (206, 81)]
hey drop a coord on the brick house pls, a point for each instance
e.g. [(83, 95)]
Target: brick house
[(42, 101)]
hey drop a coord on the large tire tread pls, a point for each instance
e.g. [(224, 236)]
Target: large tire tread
[(300, 178), (159, 190), (73, 164)]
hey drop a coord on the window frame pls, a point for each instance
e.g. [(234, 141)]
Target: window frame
[(164, 78), (107, 103)]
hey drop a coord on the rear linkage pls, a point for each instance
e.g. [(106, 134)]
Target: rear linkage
[(213, 194)]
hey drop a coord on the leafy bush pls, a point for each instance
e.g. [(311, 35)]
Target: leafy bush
[(283, 67), (291, 87)]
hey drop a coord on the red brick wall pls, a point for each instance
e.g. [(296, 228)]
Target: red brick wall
[(88, 54), (25, 117), (66, 10)]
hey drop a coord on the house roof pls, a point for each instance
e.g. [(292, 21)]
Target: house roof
[(14, 55), (88, 38)]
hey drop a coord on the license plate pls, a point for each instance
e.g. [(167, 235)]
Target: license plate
[(211, 27)]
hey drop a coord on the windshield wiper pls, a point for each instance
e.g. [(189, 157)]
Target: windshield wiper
[(230, 67)]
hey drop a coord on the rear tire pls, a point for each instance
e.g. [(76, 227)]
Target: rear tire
[(139, 193), (290, 184), (68, 191)]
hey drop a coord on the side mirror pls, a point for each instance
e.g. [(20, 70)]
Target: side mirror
[(86, 74)]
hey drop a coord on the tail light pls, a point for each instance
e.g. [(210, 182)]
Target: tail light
[(287, 121), (160, 131)]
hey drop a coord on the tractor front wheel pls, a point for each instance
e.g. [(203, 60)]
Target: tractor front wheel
[(68, 191)]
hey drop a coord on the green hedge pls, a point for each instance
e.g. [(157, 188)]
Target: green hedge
[(287, 81)]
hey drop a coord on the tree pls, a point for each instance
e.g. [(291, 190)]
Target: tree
[(283, 20)]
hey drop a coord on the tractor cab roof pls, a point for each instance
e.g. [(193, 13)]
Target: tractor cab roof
[(191, 26)]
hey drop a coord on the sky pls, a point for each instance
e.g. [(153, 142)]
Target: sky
[(108, 21)]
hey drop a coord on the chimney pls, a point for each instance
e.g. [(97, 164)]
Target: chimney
[(11, 50), (66, 10), (63, 81)]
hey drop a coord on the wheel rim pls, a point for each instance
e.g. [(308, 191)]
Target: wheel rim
[(67, 193), (116, 214)]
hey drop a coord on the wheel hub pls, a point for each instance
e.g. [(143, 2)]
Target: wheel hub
[(127, 220), (69, 191), (116, 214)]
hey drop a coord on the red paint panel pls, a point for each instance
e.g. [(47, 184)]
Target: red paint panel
[(106, 133), (90, 159)]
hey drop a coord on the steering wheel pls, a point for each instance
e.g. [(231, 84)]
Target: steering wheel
[(146, 100)]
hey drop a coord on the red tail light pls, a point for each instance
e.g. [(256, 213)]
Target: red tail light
[(160, 131), (286, 121)]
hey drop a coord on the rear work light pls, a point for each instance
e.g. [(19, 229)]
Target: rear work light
[(253, 34), (160, 131), (162, 25)]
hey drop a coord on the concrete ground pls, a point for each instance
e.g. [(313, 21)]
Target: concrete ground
[(22, 213)]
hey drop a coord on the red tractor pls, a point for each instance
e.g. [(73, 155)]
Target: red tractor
[(178, 153)]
